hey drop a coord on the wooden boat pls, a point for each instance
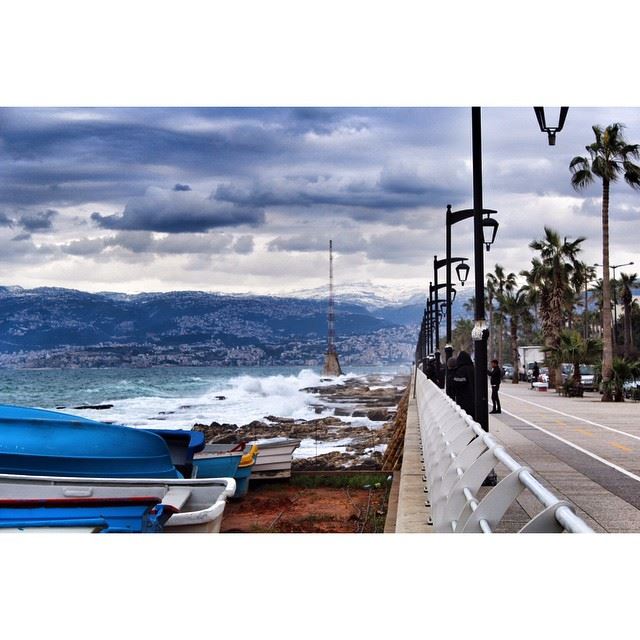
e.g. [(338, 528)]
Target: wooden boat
[(275, 456), (173, 505), (48, 443)]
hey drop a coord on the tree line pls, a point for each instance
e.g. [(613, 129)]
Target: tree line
[(558, 302)]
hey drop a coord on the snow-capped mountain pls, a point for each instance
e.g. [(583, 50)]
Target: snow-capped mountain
[(369, 295)]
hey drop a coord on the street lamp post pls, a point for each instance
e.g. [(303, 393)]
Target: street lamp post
[(551, 131), (479, 333), (615, 299), (462, 269)]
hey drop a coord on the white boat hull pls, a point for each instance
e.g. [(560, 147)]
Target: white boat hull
[(198, 503), (274, 458)]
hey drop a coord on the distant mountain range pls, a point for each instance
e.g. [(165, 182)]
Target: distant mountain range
[(276, 329)]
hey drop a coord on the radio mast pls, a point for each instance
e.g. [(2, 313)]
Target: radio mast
[(331, 363)]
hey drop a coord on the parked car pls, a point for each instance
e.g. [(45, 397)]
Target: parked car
[(507, 371), (544, 375), (587, 375)]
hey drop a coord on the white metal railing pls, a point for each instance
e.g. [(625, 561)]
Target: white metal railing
[(458, 455)]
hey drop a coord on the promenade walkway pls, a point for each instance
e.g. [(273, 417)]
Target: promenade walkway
[(583, 450)]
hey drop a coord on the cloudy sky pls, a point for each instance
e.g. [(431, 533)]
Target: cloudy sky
[(235, 200)]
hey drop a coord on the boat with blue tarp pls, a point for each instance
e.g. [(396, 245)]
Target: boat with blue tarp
[(48, 443)]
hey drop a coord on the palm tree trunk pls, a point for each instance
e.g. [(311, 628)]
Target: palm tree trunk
[(607, 339), (492, 335), (514, 350), (627, 330)]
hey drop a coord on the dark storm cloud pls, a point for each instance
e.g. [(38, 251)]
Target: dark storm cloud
[(204, 175), (38, 221), (178, 212), (144, 242), (359, 193)]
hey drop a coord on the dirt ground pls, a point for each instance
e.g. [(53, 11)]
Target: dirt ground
[(286, 507)]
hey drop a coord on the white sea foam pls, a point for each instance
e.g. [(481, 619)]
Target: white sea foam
[(237, 400), (310, 448)]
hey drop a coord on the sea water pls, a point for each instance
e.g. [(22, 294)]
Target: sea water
[(178, 397)]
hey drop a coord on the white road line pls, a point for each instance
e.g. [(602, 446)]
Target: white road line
[(569, 415), (631, 475)]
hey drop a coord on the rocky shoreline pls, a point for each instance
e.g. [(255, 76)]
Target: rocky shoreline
[(373, 399)]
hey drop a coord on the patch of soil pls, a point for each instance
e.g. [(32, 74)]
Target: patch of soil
[(280, 507)]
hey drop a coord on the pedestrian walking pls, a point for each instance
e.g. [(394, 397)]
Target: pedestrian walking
[(463, 381), (496, 377), (451, 370)]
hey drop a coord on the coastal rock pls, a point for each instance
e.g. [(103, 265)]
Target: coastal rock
[(98, 407), (378, 415), (354, 399)]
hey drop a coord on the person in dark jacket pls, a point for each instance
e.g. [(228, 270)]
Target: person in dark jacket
[(535, 373), (496, 377), (451, 369), (463, 381)]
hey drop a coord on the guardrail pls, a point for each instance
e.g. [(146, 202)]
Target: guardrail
[(458, 455)]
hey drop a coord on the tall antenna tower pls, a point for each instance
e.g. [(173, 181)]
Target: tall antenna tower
[(331, 363)]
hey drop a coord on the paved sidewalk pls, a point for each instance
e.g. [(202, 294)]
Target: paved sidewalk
[(580, 448)]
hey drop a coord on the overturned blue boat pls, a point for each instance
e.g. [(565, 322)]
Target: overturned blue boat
[(48, 443)]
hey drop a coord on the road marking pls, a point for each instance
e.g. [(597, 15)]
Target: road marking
[(617, 445), (595, 424), (575, 446), (583, 431)]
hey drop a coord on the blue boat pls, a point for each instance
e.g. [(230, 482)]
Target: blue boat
[(216, 460), (48, 443), (217, 464), (183, 445), (116, 515)]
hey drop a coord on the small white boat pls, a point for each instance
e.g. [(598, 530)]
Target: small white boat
[(275, 456), (197, 505)]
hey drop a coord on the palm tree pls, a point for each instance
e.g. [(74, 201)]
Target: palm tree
[(623, 370), (552, 274), (514, 305), (491, 294), (627, 282), (500, 283), (583, 274), (609, 157), (573, 348)]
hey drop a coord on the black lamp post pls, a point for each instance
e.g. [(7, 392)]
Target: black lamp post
[(462, 269), (550, 131)]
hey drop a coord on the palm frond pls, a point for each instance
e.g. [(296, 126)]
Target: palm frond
[(581, 179), (579, 160), (631, 174)]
